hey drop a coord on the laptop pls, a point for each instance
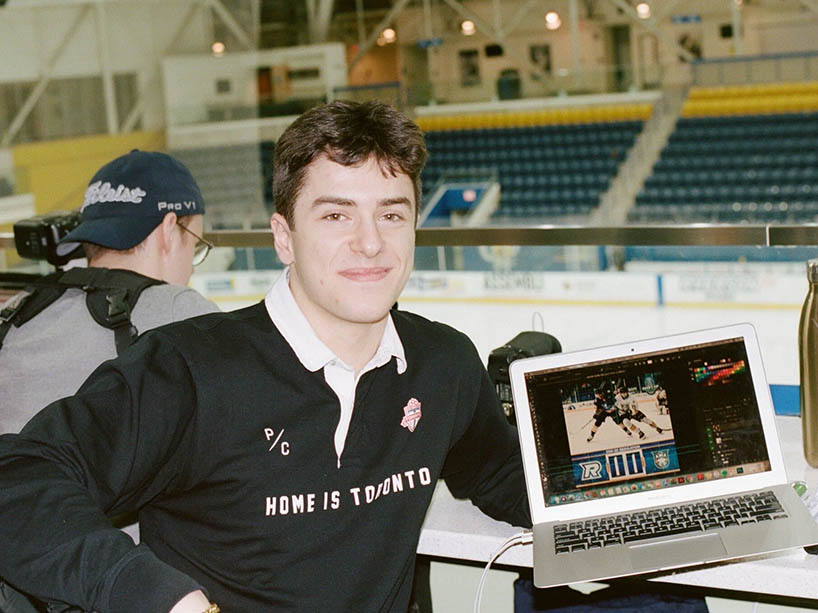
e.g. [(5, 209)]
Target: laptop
[(651, 455)]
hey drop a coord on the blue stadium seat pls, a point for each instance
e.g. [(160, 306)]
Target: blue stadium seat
[(753, 168), (553, 170)]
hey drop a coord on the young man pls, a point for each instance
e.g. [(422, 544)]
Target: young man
[(604, 409), (629, 409), (281, 456), (661, 400), (126, 225)]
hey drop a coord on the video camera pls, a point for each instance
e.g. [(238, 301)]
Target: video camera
[(524, 345), (36, 238)]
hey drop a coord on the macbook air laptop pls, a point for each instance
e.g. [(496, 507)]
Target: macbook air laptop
[(652, 455)]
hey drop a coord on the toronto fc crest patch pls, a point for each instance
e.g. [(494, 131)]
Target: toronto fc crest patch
[(411, 414)]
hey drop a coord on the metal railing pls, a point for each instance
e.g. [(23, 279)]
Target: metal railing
[(694, 234), (631, 235), (744, 70)]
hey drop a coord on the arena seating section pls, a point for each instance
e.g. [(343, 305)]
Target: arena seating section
[(737, 154), (743, 154), (549, 163), (235, 181)]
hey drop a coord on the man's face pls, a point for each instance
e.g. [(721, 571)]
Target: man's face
[(352, 245)]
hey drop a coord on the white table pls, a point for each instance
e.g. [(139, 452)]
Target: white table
[(456, 529)]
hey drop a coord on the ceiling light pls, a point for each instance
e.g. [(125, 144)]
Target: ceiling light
[(552, 20), (467, 28), (389, 35), (643, 10), (218, 48)]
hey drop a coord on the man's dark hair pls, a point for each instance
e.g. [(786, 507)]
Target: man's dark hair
[(348, 133)]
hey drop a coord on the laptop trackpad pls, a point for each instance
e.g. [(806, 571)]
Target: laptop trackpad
[(677, 552)]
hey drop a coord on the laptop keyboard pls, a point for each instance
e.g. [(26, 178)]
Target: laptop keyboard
[(685, 518)]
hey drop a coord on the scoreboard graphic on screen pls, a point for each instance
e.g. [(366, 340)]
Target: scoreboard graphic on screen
[(648, 460)]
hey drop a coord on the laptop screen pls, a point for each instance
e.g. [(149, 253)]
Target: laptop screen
[(648, 421)]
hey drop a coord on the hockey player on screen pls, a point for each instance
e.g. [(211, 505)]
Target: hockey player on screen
[(661, 401), (629, 409), (605, 408)]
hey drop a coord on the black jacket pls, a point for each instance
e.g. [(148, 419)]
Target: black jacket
[(223, 441)]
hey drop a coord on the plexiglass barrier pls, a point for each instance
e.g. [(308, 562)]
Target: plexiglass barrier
[(588, 286)]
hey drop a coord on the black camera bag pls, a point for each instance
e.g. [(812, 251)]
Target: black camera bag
[(111, 295), (524, 345)]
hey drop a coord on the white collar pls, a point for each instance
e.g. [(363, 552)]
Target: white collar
[(310, 350)]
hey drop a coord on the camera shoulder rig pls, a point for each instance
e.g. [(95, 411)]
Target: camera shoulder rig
[(111, 295)]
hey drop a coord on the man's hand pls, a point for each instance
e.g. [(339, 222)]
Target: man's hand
[(195, 602)]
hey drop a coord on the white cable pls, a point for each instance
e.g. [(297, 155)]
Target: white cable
[(523, 538)]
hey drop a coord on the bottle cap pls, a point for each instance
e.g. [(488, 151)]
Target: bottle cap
[(812, 271)]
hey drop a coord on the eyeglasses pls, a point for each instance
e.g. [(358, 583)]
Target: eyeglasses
[(202, 247)]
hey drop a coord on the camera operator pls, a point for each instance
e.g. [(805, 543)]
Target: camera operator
[(141, 228)]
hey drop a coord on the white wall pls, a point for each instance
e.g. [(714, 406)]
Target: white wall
[(529, 30), (767, 27), (138, 35), (190, 80), (788, 32)]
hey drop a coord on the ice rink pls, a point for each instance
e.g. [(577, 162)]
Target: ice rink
[(491, 324), (584, 310), (580, 420)]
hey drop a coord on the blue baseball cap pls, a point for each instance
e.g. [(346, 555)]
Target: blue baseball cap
[(128, 198)]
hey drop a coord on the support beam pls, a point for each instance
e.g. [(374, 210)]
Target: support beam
[(255, 13), (231, 23), (659, 11), (359, 15), (323, 20), (312, 15), (373, 36), (738, 46), (519, 16), (34, 96), (478, 22), (575, 63), (312, 19), (651, 26), (427, 18), (111, 116), (152, 83)]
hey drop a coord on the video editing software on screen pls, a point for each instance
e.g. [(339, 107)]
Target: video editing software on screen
[(645, 422)]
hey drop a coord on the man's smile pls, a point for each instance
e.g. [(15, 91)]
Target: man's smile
[(365, 274)]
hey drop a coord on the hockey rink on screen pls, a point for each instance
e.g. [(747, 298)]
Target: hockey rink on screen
[(579, 421)]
